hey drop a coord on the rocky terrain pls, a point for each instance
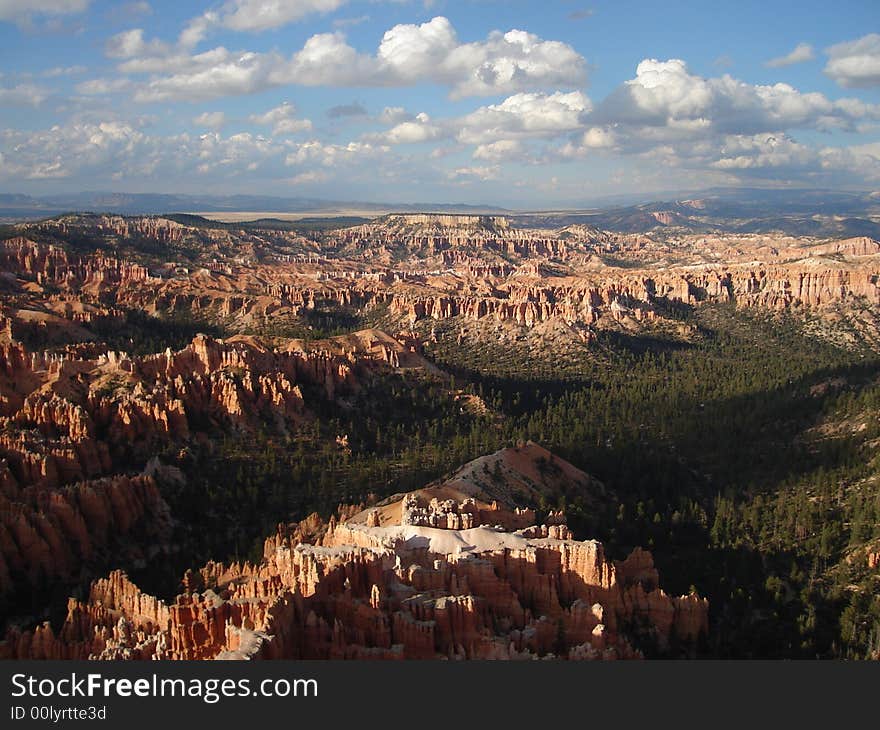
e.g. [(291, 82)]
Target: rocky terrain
[(73, 424), (139, 354), (381, 584), (420, 268)]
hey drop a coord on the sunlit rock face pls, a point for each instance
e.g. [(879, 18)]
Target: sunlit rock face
[(382, 584)]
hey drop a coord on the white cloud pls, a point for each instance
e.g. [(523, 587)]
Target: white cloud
[(243, 151), (213, 74), (526, 115), (253, 16), (332, 155), (180, 64), (210, 120), (23, 95), (420, 129), (497, 130), (197, 29), (855, 63), (326, 59), (500, 151), (762, 151), (65, 150), (408, 54), (99, 87), (113, 151), (18, 11), (259, 15), (394, 115), (503, 63), (413, 52), (282, 119), (668, 102), (599, 138), (131, 44), (857, 161), (779, 156), (802, 52), (466, 175)]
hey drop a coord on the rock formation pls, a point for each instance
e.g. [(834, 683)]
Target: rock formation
[(73, 428), (437, 267), (399, 590)]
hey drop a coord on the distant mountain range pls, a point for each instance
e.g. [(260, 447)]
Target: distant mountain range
[(821, 213), (807, 212), (16, 205)]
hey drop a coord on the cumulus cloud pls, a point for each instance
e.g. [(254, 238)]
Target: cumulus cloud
[(326, 59), (598, 138), (418, 129), (131, 44), (855, 63), (665, 114), (210, 120), (498, 131), (500, 151), (408, 54), (181, 64), (761, 151), (525, 115), (65, 150), (857, 161), (120, 150), (259, 15), (394, 115), (315, 152), (197, 29), (253, 16), (282, 119), (673, 118), (210, 75), (801, 52), (503, 63), (668, 101), (594, 139)]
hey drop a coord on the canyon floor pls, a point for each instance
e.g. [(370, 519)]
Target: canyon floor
[(436, 436)]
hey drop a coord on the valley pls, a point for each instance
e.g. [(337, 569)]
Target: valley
[(238, 440)]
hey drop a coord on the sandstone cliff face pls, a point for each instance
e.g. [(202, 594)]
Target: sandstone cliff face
[(49, 535), (401, 591), (64, 419), (459, 267), (48, 264), (71, 427)]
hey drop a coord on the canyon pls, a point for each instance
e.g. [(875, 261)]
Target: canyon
[(391, 588), (424, 267), (134, 350)]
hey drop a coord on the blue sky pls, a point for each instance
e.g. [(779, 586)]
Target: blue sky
[(525, 104)]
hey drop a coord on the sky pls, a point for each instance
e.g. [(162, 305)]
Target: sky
[(504, 102)]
